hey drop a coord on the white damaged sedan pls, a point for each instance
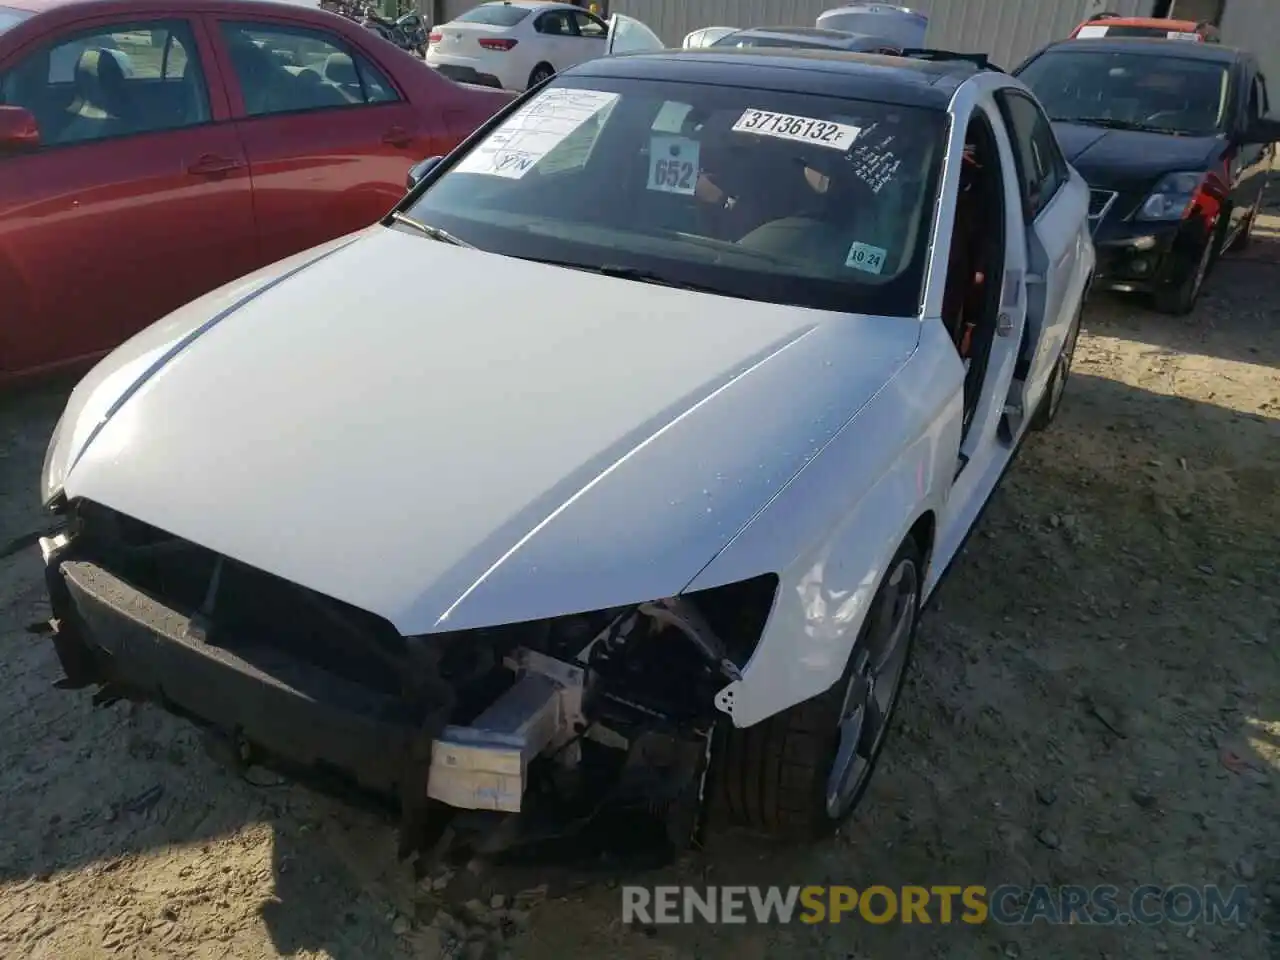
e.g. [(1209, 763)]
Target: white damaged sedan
[(716, 360)]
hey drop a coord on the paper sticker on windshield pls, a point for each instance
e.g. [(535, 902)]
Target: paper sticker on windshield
[(673, 164), (1182, 35), (1084, 33), (825, 133), (865, 257), (533, 131)]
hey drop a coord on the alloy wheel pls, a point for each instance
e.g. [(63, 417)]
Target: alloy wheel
[(880, 662)]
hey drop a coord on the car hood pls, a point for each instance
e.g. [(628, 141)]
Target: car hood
[(449, 438), (1103, 155)]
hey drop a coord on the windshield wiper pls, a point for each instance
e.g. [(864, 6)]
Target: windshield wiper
[(1113, 124), (435, 233), (650, 276), (628, 273)]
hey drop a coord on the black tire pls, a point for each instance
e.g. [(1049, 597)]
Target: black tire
[(773, 777), (543, 71), (1047, 411), (1179, 298)]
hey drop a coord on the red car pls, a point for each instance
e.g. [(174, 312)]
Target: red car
[(151, 150), (1114, 25)]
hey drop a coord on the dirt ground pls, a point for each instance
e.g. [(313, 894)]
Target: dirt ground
[(1096, 700)]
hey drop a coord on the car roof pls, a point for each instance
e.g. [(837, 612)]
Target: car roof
[(818, 33), (1153, 46), (524, 4), (867, 76), (1160, 23), (836, 39)]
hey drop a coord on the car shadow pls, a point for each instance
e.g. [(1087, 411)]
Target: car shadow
[(1235, 315)]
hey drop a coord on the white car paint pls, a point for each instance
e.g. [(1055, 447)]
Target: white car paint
[(706, 36), (447, 464), (459, 44), (534, 540)]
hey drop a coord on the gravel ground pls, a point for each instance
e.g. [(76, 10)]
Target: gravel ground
[(1096, 700)]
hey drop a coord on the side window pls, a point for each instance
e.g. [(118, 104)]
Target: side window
[(127, 79), (292, 69), (1042, 170), (557, 23), (589, 26), (1258, 106)]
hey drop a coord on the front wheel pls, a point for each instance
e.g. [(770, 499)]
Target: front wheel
[(800, 773), (1180, 297)]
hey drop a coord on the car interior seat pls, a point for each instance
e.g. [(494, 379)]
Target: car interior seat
[(339, 70), (102, 107)]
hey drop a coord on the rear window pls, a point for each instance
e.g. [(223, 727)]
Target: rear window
[(10, 17), (1131, 31), (494, 14)]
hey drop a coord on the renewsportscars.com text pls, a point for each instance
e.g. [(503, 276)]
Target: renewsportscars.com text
[(1104, 905)]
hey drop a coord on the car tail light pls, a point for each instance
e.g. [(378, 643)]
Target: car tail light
[(496, 43), (434, 37)]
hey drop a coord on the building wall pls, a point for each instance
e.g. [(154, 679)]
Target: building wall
[(1254, 25), (1006, 30)]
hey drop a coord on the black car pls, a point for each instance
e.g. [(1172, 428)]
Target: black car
[(1175, 142)]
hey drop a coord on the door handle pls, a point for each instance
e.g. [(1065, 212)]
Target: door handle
[(211, 165), (397, 137)]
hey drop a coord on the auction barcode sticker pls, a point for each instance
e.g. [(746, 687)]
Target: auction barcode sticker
[(785, 126)]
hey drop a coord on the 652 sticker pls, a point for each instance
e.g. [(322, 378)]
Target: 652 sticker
[(673, 164)]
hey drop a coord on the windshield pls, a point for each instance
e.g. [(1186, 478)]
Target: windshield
[(494, 14), (788, 198), (1167, 94), (10, 17)]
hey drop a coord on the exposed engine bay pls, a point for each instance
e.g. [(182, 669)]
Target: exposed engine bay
[(503, 743)]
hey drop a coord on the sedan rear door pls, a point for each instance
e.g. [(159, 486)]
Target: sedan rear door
[(328, 134), (135, 200)]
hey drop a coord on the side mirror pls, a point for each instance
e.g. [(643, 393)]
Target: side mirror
[(420, 170), (1264, 130), (18, 130)]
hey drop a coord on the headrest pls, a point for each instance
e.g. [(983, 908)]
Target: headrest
[(339, 68), (98, 66)]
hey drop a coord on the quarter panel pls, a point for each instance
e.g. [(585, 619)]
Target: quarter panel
[(830, 532)]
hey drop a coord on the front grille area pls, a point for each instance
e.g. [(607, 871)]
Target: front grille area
[(242, 608)]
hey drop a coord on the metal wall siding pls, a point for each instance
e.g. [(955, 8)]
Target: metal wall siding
[(1006, 30), (1254, 25)]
